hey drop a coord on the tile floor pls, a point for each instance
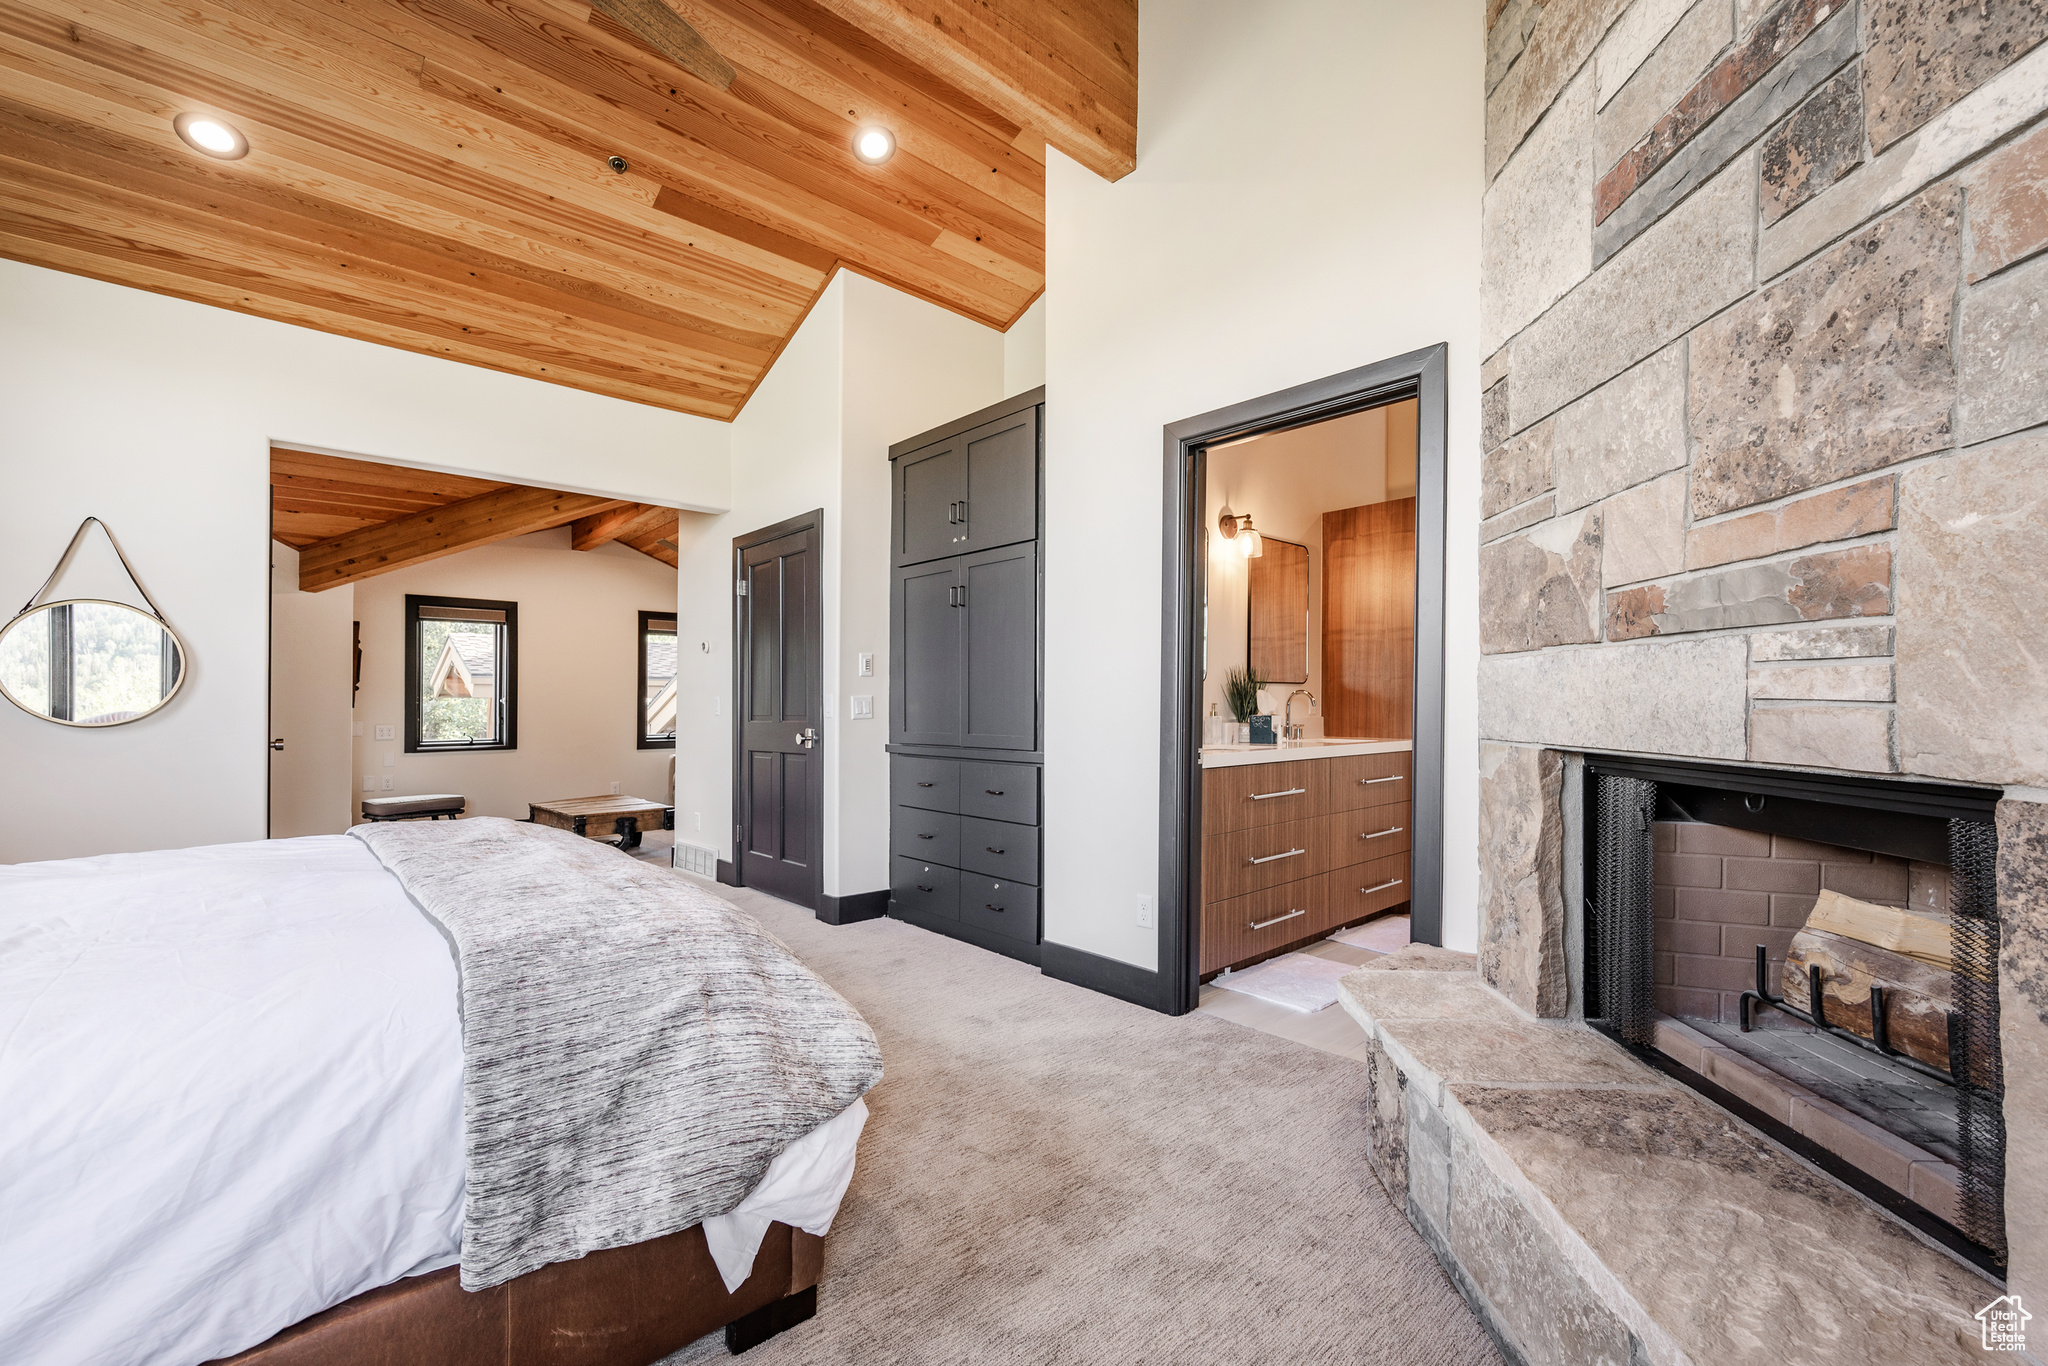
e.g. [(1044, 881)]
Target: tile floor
[(1330, 1029)]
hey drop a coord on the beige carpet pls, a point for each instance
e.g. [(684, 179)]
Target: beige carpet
[(1052, 1176)]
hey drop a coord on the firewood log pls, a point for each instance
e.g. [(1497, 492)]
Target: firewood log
[(1912, 933), (1917, 995)]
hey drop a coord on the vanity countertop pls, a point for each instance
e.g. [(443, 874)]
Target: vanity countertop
[(1225, 756)]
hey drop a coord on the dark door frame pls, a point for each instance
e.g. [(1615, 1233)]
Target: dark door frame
[(813, 521), (1419, 375)]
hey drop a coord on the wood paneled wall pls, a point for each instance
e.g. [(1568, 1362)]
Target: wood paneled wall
[(1369, 620)]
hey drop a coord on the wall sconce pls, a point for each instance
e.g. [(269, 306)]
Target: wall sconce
[(1239, 529)]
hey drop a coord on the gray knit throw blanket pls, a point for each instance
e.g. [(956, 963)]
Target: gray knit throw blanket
[(635, 1051)]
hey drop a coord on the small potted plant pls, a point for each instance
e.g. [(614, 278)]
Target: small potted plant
[(1241, 695)]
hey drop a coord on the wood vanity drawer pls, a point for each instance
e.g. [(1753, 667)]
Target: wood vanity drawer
[(999, 849), (1243, 927), (1372, 832), (999, 792), (925, 889), (927, 836), (932, 784), (1252, 796), (1247, 860), (1360, 780), (1364, 888), (1008, 908)]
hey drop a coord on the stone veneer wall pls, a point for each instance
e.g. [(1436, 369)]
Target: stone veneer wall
[(1765, 472)]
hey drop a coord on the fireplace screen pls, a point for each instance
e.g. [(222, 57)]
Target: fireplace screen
[(1832, 946)]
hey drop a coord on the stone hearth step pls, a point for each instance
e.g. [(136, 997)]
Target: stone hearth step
[(1597, 1213)]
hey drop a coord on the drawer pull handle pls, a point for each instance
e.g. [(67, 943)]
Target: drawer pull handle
[(922, 888), (924, 784), (992, 849), (1368, 782), (1390, 830), (986, 906), (927, 837), (1368, 891), (1261, 924), (993, 791), (1270, 858), (1268, 796)]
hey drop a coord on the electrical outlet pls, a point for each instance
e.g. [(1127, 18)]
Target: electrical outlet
[(387, 732), (862, 707), (615, 789), (1144, 910), (867, 666), (390, 759), (369, 783), (387, 782)]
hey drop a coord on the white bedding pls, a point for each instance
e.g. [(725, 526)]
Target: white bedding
[(231, 1097)]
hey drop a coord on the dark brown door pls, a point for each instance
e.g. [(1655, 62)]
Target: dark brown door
[(779, 779)]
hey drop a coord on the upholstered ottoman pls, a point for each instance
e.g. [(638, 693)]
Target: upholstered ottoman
[(428, 808)]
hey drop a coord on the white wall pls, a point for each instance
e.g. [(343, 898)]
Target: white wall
[(579, 618), (1306, 201), (869, 367), (1024, 351), (158, 415)]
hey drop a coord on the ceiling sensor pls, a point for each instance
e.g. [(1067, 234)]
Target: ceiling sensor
[(616, 162), (670, 545), (216, 138), (874, 145)]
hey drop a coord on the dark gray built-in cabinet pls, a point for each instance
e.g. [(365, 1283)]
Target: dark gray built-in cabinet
[(966, 630)]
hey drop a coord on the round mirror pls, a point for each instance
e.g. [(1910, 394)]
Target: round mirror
[(90, 663)]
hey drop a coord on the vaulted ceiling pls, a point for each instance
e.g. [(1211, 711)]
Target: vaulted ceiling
[(355, 519), (433, 174)]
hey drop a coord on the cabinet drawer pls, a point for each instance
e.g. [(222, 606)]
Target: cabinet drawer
[(1242, 927), (1249, 796), (1366, 888), (1000, 792), (999, 849), (1360, 780), (1369, 833), (927, 836), (1008, 908), (1246, 860), (926, 889), (933, 784)]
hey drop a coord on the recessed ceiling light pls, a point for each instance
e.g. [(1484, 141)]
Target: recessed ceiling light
[(205, 133), (874, 145)]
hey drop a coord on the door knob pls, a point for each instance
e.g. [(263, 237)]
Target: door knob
[(277, 744), (807, 737)]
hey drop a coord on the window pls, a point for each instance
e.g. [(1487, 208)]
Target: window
[(461, 659), (656, 701)]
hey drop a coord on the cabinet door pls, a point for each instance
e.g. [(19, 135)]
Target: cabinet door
[(925, 628), (931, 494), (1000, 648), (1001, 493)]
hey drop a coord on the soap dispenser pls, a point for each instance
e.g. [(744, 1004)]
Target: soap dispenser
[(1214, 734)]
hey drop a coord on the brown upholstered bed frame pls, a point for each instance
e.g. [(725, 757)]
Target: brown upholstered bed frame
[(626, 1307)]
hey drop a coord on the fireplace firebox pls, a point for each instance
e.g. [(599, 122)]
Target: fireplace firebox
[(1829, 945)]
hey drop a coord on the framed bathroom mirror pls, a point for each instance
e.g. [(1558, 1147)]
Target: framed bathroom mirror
[(90, 662), (1277, 613)]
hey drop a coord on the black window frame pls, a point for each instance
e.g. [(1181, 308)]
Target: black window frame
[(641, 739), (507, 688)]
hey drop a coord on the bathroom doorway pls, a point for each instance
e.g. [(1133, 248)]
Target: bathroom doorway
[(1304, 676)]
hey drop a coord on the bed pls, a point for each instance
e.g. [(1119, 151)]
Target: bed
[(316, 1100)]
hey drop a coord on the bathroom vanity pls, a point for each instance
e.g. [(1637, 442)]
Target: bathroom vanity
[(1299, 840)]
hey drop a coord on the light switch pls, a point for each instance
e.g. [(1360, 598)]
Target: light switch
[(387, 732), (369, 783), (863, 708), (867, 666), (390, 760), (387, 782), (356, 729)]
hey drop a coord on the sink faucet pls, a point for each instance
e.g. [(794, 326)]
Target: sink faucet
[(1288, 729)]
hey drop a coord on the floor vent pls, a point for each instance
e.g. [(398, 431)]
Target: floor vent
[(693, 858)]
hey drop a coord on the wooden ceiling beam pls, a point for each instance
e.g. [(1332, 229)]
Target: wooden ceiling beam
[(1068, 71), (441, 531), (655, 536), (588, 533)]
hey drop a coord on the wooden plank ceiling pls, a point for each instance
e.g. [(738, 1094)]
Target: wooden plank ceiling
[(433, 174), (355, 519)]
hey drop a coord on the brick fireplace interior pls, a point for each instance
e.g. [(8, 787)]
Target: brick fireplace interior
[(1714, 914)]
